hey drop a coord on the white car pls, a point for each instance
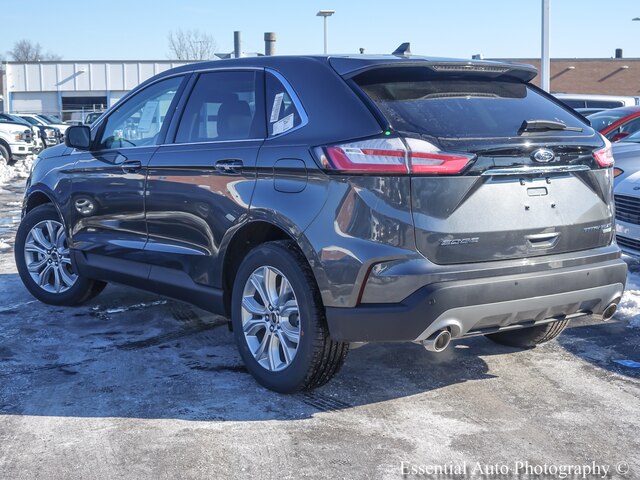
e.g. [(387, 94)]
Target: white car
[(47, 120), (16, 141), (627, 201)]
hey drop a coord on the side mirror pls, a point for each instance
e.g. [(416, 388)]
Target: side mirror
[(78, 136)]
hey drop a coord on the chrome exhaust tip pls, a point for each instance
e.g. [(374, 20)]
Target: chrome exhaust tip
[(609, 312), (437, 342)]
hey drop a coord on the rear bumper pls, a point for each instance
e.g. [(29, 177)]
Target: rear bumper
[(474, 306)]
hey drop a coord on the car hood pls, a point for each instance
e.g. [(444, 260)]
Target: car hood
[(629, 186)]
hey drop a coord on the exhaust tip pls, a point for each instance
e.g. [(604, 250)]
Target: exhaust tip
[(438, 342), (609, 312)]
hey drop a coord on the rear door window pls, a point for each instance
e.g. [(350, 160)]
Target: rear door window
[(414, 99), (223, 106)]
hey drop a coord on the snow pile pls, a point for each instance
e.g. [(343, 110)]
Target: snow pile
[(629, 307), (20, 169)]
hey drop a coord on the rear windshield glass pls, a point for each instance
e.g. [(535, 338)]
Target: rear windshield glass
[(414, 100), (602, 120)]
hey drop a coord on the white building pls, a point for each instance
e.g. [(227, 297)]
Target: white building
[(71, 88)]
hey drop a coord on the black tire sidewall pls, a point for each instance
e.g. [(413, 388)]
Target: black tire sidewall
[(6, 153), (75, 294), (293, 377)]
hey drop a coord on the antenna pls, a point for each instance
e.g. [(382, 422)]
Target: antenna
[(404, 50)]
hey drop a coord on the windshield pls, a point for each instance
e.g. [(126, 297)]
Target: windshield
[(32, 120), (50, 118), (635, 137), (602, 120), (416, 100)]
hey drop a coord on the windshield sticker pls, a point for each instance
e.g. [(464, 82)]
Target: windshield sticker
[(283, 125), (275, 110)]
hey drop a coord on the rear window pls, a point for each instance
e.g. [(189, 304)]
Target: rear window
[(414, 100)]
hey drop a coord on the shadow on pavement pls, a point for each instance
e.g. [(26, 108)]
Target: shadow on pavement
[(133, 354)]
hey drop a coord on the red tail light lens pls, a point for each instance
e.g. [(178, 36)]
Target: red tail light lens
[(390, 156), (425, 158), (604, 156), (380, 155)]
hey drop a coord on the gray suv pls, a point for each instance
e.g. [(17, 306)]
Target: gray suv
[(321, 201)]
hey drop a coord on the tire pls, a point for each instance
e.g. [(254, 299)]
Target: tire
[(529, 337), (60, 284), (316, 358), (6, 153)]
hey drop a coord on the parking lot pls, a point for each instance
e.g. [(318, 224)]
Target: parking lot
[(139, 385)]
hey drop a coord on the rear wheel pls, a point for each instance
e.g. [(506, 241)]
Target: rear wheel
[(278, 321), (44, 262), (529, 337)]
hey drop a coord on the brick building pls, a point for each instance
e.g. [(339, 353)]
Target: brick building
[(605, 76)]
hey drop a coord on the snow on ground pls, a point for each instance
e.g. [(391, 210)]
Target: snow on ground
[(20, 169), (629, 307)]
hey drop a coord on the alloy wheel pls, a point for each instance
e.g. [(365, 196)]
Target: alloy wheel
[(46, 254), (270, 318)]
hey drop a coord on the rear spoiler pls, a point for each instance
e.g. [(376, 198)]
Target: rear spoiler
[(350, 67)]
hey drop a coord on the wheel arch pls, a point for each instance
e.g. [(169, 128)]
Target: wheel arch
[(248, 236)]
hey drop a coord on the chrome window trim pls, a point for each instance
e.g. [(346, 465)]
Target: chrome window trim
[(296, 102), (527, 170)]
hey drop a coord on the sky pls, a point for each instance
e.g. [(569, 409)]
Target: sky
[(138, 29)]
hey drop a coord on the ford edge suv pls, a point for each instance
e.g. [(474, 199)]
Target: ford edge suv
[(325, 201)]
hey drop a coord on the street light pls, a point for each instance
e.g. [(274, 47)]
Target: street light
[(325, 14)]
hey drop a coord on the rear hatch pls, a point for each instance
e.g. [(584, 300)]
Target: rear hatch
[(514, 173)]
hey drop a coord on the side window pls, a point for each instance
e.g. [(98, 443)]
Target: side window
[(223, 106), (631, 126), (282, 114), (138, 121)]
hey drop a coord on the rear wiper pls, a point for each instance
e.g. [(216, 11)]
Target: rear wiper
[(545, 125)]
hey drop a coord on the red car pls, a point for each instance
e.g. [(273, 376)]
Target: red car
[(617, 123)]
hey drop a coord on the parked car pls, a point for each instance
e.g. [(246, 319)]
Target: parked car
[(46, 120), (627, 155), (92, 117), (627, 199), (617, 123), (16, 141), (579, 100), (320, 201), (588, 111), (44, 136)]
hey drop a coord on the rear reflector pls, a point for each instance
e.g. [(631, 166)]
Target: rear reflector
[(389, 155), (604, 156)]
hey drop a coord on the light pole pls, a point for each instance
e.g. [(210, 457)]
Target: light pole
[(326, 14), (545, 63)]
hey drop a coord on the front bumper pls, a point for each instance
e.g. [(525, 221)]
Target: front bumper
[(469, 307)]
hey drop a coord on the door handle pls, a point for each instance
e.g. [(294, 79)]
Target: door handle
[(131, 166), (229, 166)]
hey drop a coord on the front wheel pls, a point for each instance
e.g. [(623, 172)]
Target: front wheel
[(44, 261), (279, 323)]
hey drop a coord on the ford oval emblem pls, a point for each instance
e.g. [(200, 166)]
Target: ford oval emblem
[(543, 155)]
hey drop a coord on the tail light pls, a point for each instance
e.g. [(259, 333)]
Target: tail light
[(392, 155), (604, 156)]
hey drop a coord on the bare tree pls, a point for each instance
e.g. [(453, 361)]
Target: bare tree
[(191, 45), (27, 51)]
